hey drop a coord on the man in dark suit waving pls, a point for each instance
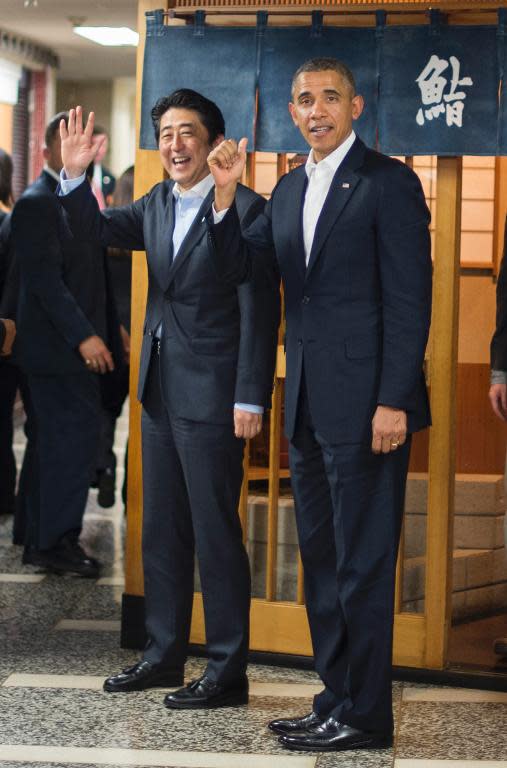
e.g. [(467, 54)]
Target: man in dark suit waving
[(350, 231), (206, 373)]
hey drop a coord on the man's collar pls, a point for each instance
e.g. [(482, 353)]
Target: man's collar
[(50, 172), (334, 159), (200, 189)]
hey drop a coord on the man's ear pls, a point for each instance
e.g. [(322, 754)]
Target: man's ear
[(218, 140), (357, 106), (45, 153), (293, 113)]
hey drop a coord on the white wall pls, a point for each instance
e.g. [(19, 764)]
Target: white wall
[(123, 124)]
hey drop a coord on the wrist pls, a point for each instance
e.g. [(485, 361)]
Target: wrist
[(224, 197), (73, 172)]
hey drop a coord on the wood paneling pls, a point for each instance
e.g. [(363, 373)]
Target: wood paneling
[(444, 354)]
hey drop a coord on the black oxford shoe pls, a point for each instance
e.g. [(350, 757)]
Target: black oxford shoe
[(143, 675), (295, 724), (206, 694), (333, 736), (66, 557)]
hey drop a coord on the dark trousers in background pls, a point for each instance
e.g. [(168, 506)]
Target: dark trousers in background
[(114, 388), (60, 455), (349, 506), (11, 380), (192, 474)]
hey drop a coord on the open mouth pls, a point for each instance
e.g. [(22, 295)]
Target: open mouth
[(179, 162), (320, 130)]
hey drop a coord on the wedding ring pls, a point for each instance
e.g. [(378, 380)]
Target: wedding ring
[(394, 443)]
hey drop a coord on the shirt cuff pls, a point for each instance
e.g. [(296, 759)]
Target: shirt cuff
[(249, 408), (68, 185), (217, 217), (498, 377)]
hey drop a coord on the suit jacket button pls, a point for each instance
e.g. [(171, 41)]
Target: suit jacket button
[(150, 333), (306, 300), (300, 341)]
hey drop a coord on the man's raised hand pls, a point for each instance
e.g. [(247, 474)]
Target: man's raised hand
[(79, 147), (227, 163)]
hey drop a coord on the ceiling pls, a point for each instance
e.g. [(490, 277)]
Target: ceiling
[(47, 23)]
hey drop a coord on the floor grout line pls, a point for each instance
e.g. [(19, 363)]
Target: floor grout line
[(150, 757), (95, 683)]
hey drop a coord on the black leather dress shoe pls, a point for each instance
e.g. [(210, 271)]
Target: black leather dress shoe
[(143, 675), (66, 557), (206, 694), (295, 724), (333, 736)]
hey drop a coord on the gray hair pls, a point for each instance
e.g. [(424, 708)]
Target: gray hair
[(324, 64)]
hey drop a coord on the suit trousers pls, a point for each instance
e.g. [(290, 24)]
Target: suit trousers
[(60, 455), (11, 380), (349, 506), (192, 475)]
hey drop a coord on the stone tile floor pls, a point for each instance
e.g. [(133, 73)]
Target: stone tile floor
[(56, 715)]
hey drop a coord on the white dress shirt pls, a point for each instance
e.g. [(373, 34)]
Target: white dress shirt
[(320, 176)]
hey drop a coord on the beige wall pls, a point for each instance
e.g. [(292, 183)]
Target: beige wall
[(6, 127), (476, 318)]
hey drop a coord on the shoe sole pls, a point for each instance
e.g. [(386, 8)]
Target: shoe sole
[(369, 744), (225, 701), (165, 684)]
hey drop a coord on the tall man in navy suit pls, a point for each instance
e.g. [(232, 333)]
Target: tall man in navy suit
[(350, 231), (206, 373)]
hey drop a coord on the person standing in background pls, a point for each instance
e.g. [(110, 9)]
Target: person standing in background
[(62, 346), (498, 387), (103, 182), (115, 385)]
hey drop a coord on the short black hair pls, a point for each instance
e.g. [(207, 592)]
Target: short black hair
[(5, 178), (53, 127), (184, 98), (323, 64)]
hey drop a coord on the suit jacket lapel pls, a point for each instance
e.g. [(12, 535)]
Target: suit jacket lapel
[(161, 257), (341, 190), (193, 235), (296, 204)]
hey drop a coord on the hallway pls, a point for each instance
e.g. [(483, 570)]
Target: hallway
[(60, 639)]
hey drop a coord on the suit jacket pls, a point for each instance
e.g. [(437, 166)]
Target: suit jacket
[(499, 340), (219, 338), (358, 316), (63, 290)]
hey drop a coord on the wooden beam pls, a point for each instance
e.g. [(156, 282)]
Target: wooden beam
[(148, 171), (444, 356)]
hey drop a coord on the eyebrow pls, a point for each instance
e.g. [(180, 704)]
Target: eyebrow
[(181, 125), (303, 94)]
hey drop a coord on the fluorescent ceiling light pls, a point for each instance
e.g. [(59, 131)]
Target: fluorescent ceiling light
[(109, 35)]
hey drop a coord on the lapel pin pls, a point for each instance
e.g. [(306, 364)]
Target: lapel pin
[(345, 185)]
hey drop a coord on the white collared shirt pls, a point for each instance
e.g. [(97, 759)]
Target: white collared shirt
[(188, 202), (320, 176)]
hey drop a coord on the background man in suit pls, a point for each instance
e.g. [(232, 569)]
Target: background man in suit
[(498, 388), (62, 327), (206, 372), (103, 182), (350, 231)]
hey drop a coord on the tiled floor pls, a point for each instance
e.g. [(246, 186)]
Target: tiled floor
[(60, 637)]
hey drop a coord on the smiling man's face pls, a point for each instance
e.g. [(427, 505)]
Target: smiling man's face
[(323, 107), (184, 146)]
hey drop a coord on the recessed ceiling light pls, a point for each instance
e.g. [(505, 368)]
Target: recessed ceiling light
[(109, 35)]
